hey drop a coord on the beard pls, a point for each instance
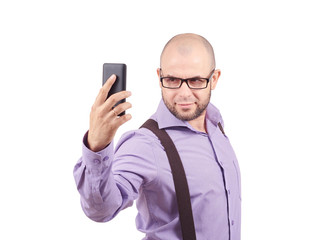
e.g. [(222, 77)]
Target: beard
[(201, 107)]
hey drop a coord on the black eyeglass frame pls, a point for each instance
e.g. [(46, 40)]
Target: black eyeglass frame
[(182, 80)]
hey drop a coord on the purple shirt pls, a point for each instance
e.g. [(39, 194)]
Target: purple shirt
[(138, 169)]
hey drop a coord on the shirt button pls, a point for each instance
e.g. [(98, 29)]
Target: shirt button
[(232, 222), (105, 158), (229, 191), (221, 163), (96, 161)]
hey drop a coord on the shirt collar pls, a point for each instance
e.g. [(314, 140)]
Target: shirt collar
[(166, 119), (213, 115)]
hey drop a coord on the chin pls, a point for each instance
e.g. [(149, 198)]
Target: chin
[(187, 115)]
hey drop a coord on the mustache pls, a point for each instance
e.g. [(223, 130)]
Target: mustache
[(184, 101)]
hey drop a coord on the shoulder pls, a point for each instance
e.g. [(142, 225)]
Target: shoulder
[(138, 140)]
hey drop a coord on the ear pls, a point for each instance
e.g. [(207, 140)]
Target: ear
[(158, 72), (214, 80)]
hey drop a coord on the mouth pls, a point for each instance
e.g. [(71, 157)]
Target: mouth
[(184, 105)]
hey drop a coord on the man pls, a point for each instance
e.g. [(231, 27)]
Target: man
[(110, 180)]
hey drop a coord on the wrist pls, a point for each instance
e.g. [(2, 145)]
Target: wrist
[(92, 145)]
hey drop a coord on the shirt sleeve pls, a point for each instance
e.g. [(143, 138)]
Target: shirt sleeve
[(110, 180)]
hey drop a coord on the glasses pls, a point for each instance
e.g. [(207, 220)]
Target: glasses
[(193, 83)]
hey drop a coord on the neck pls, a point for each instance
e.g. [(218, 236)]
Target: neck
[(199, 123)]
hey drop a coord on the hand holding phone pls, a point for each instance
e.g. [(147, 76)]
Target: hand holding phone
[(104, 118)]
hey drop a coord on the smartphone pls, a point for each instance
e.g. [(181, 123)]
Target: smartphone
[(120, 70)]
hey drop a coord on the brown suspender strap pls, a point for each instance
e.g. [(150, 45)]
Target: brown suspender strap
[(221, 128), (179, 178)]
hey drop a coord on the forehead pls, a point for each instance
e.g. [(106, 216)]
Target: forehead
[(185, 58), (192, 64)]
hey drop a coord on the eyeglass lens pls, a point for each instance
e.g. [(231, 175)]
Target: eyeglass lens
[(171, 82)]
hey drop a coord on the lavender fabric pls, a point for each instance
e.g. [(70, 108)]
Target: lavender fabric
[(138, 169)]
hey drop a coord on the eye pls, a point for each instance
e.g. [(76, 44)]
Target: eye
[(172, 79), (196, 80)]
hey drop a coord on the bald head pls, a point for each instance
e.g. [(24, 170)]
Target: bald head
[(185, 44)]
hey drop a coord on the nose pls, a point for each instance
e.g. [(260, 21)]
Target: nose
[(184, 90)]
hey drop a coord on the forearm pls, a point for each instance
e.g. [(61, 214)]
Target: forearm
[(100, 197), (110, 181)]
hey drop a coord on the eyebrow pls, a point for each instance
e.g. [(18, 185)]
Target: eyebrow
[(183, 78)]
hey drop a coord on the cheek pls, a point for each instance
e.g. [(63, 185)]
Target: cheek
[(203, 96), (168, 95)]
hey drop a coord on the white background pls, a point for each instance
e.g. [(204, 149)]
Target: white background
[(51, 57)]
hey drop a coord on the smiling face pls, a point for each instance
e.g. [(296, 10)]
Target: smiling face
[(187, 58)]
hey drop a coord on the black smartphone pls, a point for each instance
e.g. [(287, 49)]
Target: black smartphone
[(120, 70)]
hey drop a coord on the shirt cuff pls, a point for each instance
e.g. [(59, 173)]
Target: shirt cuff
[(96, 159)]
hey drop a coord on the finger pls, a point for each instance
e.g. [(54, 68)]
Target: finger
[(101, 98), (121, 108), (114, 98), (121, 120)]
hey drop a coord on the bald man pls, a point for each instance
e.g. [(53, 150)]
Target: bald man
[(110, 179)]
